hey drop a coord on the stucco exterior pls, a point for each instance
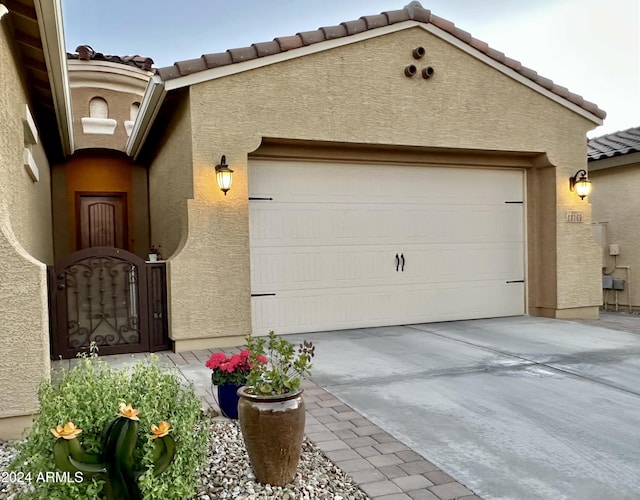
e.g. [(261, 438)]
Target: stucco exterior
[(26, 246), (121, 86), (357, 93), (615, 208)]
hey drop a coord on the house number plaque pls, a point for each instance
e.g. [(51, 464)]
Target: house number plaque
[(574, 216)]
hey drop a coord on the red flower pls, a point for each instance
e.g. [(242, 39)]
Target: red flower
[(216, 359), (234, 368)]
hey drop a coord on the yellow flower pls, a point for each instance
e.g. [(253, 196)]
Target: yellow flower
[(125, 410), (69, 431), (161, 431)]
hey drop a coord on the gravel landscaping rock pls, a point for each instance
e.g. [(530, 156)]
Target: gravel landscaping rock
[(228, 475)]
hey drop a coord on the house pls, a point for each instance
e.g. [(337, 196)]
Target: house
[(614, 166), (388, 170)]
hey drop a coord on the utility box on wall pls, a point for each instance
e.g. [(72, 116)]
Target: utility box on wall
[(607, 282), (618, 284)]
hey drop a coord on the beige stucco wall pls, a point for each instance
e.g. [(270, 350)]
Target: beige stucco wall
[(615, 205), (171, 183), (25, 243), (358, 93)]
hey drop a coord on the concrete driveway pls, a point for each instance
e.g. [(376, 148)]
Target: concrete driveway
[(514, 408)]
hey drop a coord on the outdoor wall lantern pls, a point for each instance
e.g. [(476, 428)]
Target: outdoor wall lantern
[(224, 175), (580, 184)]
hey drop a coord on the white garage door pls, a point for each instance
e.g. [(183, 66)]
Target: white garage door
[(354, 245)]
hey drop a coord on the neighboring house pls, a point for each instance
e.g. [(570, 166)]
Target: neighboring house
[(388, 170), (614, 169)]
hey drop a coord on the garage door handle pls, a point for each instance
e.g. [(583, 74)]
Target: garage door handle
[(397, 262), (402, 259)]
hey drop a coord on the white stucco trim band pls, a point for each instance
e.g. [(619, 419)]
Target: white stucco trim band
[(49, 13), (231, 69), (107, 75)]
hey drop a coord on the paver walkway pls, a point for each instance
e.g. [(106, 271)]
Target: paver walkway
[(383, 467)]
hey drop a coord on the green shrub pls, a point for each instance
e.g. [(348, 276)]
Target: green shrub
[(88, 395)]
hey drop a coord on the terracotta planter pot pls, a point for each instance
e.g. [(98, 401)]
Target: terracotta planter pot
[(273, 430)]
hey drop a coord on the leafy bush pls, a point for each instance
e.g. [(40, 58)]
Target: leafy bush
[(88, 395), (285, 367)]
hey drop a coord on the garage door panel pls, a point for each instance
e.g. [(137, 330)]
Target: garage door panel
[(326, 244), (288, 225), (292, 312), (341, 267), (308, 182), (323, 267)]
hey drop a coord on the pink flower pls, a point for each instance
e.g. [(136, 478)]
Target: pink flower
[(216, 359), (262, 359)]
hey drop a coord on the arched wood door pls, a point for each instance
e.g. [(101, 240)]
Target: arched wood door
[(102, 220)]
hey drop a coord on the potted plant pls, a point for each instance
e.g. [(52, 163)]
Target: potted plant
[(229, 373), (154, 253), (271, 408)]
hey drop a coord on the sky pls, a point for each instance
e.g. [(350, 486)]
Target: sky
[(592, 47)]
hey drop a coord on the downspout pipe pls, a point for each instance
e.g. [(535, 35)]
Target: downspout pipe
[(3, 11)]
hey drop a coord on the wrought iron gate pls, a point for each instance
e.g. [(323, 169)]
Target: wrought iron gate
[(111, 297)]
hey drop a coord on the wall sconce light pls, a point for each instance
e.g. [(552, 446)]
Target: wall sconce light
[(224, 175), (580, 184)]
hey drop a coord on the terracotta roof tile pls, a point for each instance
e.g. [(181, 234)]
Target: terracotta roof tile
[(616, 144), (513, 64), (243, 54), (219, 59), (496, 54), (413, 11), (375, 21), (528, 73), (289, 42), (562, 91), (545, 82), (191, 66), (331, 32), (479, 45), (442, 23), (267, 48), (310, 37), (418, 13), (354, 27), (168, 72), (397, 16), (463, 35), (86, 53)]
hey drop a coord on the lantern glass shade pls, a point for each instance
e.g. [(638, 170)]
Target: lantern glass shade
[(583, 187), (224, 179), (224, 176)]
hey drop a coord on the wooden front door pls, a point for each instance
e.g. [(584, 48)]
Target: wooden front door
[(102, 220)]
